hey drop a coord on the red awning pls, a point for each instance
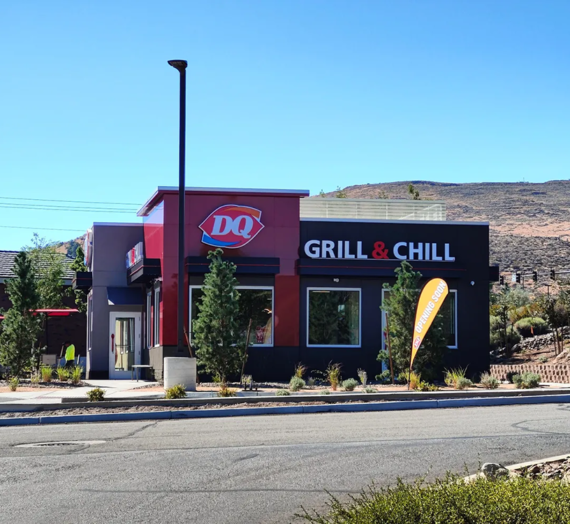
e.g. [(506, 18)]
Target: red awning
[(54, 312)]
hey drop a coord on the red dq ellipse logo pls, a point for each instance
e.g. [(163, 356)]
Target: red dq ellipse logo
[(231, 226)]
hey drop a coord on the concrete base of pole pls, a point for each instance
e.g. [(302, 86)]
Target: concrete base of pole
[(180, 370)]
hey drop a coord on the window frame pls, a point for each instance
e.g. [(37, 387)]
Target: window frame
[(256, 288), (156, 296), (148, 318), (455, 346), (350, 346)]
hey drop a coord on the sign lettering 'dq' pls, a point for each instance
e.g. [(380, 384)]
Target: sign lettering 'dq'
[(231, 226)]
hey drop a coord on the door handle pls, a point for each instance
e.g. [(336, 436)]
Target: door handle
[(112, 343)]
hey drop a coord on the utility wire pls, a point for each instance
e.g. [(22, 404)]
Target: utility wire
[(43, 228), (71, 201), (65, 209)]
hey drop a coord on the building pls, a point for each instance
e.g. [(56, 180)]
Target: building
[(58, 329), (315, 273)]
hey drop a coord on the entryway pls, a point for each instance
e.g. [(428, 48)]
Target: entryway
[(124, 344)]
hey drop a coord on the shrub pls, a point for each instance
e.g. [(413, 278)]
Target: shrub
[(363, 376), (526, 380), (300, 370), (463, 383), (296, 383), (333, 374), (13, 383), (75, 375), (531, 326), (310, 382), (520, 500), (497, 338), (225, 391), (402, 377), (489, 382), (35, 379), (96, 395), (282, 392), (415, 380), (543, 359), (426, 386), (349, 384), (176, 391), (325, 392), (370, 390), (452, 376), (47, 373), (62, 374), (384, 377)]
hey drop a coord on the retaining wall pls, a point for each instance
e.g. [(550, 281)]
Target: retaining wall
[(557, 373)]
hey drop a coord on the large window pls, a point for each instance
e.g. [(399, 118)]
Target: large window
[(256, 312), (333, 317), (156, 314), (148, 319), (448, 311)]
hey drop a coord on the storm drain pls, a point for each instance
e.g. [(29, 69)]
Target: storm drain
[(61, 444)]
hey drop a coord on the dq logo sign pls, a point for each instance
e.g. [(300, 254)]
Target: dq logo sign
[(231, 226)]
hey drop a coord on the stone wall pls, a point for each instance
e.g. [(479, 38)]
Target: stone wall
[(558, 373)]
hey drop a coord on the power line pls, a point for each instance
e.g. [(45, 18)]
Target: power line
[(71, 201), (64, 209), (43, 228)]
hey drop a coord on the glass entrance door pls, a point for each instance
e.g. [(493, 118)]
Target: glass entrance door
[(125, 344)]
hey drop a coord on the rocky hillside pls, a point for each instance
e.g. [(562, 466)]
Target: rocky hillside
[(530, 223)]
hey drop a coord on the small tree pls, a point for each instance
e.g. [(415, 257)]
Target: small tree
[(400, 305), (322, 194), (20, 328), (413, 192), (340, 193), (220, 347), (78, 265)]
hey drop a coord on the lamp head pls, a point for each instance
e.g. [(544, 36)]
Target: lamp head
[(181, 65)]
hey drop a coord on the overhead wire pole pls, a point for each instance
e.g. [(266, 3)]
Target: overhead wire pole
[(181, 66)]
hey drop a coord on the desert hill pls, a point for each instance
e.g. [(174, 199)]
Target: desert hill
[(530, 223)]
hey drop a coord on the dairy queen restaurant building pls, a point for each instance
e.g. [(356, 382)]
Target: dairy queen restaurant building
[(314, 268)]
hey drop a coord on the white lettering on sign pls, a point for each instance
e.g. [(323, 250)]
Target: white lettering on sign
[(240, 226), (345, 250)]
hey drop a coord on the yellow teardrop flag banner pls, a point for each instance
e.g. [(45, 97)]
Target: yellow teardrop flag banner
[(431, 298)]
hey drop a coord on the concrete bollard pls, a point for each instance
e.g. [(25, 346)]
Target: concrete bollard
[(180, 370)]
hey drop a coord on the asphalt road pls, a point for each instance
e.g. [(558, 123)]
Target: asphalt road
[(253, 469)]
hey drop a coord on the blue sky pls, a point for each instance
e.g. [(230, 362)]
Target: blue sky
[(305, 94)]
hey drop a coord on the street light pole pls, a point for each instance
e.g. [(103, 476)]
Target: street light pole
[(181, 65)]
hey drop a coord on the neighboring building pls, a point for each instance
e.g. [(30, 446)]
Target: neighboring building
[(58, 329), (318, 273)]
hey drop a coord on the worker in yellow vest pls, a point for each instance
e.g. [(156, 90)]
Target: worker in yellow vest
[(69, 354)]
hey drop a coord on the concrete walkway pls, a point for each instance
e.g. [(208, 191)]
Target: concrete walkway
[(114, 389)]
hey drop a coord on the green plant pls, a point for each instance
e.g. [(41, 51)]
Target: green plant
[(488, 381), (47, 373), (518, 500), (349, 384), (310, 382), (282, 392), (75, 374), (526, 380), (325, 392), (452, 376), (296, 383), (384, 377), (225, 391), (531, 326), (96, 395), (176, 391), (463, 383), (415, 380), (35, 379), (368, 389), (363, 376), (220, 343), (13, 383), (543, 359), (62, 374), (333, 374), (300, 370), (426, 386)]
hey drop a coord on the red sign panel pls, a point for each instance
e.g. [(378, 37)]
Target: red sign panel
[(231, 226)]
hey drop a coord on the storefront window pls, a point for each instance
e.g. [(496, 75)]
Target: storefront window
[(333, 317), (148, 319), (448, 311), (156, 314), (256, 311)]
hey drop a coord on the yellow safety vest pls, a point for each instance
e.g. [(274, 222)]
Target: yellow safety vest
[(70, 353)]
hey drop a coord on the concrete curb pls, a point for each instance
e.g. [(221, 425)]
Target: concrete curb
[(285, 410)]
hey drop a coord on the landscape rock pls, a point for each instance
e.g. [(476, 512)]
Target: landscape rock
[(492, 470)]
